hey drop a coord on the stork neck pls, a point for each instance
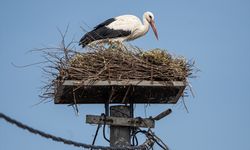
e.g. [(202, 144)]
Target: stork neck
[(145, 24)]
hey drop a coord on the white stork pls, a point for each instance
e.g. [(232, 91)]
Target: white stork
[(121, 28)]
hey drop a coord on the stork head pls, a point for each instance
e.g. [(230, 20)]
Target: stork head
[(150, 18)]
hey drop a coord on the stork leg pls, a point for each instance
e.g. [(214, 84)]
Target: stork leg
[(116, 45)]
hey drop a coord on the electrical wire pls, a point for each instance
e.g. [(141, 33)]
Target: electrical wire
[(144, 146), (104, 127), (96, 133)]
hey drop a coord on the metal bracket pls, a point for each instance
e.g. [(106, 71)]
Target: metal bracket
[(162, 115), (118, 121)]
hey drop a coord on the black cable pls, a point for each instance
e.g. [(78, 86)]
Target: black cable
[(134, 140), (104, 127), (134, 137), (160, 145), (96, 133), (49, 136), (133, 129), (164, 147), (69, 142)]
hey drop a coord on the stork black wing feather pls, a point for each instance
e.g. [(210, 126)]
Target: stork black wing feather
[(105, 23), (102, 33)]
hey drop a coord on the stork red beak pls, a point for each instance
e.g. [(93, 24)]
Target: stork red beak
[(152, 23)]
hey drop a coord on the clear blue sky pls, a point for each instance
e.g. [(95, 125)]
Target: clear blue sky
[(215, 33)]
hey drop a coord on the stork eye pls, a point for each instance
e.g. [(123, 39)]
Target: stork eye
[(150, 16)]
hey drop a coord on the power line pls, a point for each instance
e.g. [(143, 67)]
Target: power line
[(145, 146)]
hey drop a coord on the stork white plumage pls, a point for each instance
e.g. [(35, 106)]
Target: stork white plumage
[(121, 28)]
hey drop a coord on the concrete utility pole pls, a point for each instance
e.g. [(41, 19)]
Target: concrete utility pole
[(120, 135)]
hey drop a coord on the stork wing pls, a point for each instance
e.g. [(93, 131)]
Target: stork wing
[(125, 23)]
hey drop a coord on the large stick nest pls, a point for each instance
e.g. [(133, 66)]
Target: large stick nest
[(116, 61), (113, 61)]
